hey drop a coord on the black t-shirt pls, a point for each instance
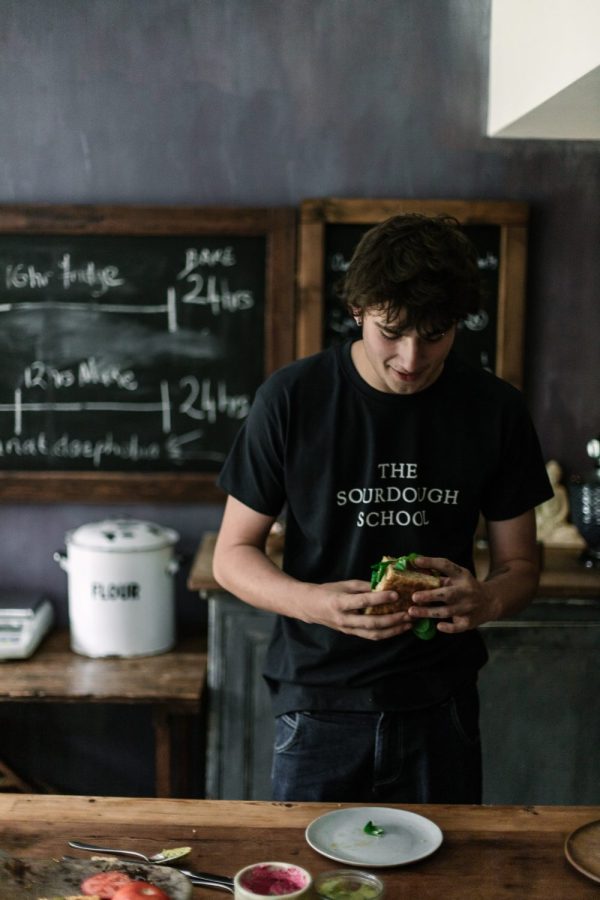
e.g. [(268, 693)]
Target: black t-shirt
[(362, 473)]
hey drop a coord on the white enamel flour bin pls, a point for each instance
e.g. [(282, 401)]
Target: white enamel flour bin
[(121, 591)]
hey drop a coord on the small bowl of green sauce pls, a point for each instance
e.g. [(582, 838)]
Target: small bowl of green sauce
[(348, 884)]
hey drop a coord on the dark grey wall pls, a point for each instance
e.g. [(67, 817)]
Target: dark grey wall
[(268, 102)]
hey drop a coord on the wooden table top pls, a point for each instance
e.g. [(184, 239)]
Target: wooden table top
[(562, 573), (487, 852), (56, 674)]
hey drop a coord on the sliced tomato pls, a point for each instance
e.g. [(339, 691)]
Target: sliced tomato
[(138, 890), (105, 884)]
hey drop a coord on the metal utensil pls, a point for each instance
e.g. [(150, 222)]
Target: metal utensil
[(205, 879), (202, 879), (157, 859)]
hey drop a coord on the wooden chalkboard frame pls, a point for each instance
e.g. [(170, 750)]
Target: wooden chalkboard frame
[(278, 227), (511, 218)]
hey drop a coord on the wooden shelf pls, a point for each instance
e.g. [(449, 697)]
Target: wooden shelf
[(171, 683), (563, 576)]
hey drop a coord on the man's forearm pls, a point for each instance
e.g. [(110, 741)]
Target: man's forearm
[(514, 565), (510, 587), (248, 573)]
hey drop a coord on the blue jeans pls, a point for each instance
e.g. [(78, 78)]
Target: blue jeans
[(428, 755)]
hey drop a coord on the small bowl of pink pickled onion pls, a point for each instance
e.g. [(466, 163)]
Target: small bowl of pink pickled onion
[(272, 879)]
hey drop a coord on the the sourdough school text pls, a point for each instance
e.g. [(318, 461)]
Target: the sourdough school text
[(409, 496)]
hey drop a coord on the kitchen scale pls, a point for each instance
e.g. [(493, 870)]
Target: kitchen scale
[(24, 620)]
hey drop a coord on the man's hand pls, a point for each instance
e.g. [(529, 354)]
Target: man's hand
[(462, 599), (340, 605), (463, 602)]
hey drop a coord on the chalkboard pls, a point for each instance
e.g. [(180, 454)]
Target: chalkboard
[(133, 341), (330, 230)]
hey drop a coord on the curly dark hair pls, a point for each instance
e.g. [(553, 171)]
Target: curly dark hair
[(422, 266)]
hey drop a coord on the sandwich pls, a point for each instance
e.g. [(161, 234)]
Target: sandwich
[(398, 573)]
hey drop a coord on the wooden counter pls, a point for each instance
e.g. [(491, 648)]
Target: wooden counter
[(172, 684), (562, 574), (488, 853)]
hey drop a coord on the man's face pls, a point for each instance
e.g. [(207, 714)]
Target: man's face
[(397, 360)]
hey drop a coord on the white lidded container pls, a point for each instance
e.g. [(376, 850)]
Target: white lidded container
[(121, 590)]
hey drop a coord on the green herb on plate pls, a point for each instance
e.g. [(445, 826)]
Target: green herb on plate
[(374, 830)]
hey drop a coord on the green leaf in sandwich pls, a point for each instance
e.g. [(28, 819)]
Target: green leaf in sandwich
[(398, 573)]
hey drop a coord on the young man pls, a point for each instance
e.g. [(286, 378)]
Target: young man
[(385, 445)]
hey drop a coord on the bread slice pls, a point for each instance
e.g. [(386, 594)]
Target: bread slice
[(405, 583)]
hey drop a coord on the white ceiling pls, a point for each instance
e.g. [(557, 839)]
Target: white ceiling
[(545, 69)]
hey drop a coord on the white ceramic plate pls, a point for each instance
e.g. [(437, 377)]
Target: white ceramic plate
[(407, 837)]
